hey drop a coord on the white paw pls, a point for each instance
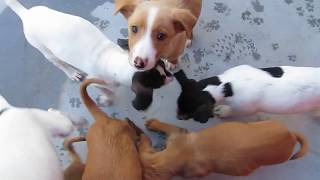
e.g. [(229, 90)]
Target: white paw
[(76, 76), (188, 43), (103, 100), (222, 111)]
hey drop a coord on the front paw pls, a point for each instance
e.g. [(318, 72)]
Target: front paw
[(151, 124), (222, 111)]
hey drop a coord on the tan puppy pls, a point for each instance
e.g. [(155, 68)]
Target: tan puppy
[(230, 148), (158, 29), (75, 170), (112, 152)]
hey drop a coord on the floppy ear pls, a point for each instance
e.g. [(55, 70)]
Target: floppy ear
[(126, 7), (203, 113), (183, 20)]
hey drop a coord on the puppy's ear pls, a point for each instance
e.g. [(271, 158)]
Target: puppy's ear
[(126, 7), (143, 98), (203, 113), (183, 20)]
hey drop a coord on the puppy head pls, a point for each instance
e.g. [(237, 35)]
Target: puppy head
[(143, 84), (195, 104), (152, 28)]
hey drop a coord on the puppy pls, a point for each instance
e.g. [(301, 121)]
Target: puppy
[(28, 152), (112, 152), (192, 101), (143, 84), (158, 29), (75, 46), (246, 90), (231, 148), (75, 170)]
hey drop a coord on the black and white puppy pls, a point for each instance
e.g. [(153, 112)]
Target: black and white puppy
[(246, 90), (143, 84), (193, 102)]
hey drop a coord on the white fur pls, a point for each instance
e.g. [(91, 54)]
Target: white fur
[(27, 151), (64, 38), (144, 47), (297, 91)]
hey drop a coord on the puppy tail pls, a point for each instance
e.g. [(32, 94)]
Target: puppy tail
[(96, 112), (69, 147), (304, 146), (17, 7)]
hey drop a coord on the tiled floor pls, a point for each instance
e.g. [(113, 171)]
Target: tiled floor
[(230, 32)]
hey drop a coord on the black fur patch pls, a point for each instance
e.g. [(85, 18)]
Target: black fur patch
[(227, 90), (215, 80), (275, 72)]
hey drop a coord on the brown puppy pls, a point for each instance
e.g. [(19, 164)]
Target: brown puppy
[(230, 148), (158, 29), (112, 152), (75, 170)]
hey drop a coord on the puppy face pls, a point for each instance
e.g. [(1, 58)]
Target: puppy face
[(152, 27), (143, 84)]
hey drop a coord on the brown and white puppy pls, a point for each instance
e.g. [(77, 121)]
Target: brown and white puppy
[(112, 152), (158, 29), (75, 170), (230, 148)]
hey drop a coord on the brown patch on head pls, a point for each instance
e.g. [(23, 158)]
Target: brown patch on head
[(168, 30), (183, 20)]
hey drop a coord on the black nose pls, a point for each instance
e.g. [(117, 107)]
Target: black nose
[(139, 62)]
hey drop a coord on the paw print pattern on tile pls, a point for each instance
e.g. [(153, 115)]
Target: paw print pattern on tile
[(292, 58), (235, 47), (308, 10), (222, 8), (198, 55), (257, 6), (288, 1), (275, 46), (75, 102), (247, 16), (202, 69), (101, 24), (212, 25)]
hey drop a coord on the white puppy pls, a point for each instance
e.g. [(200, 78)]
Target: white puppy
[(280, 90), (25, 135), (75, 46)]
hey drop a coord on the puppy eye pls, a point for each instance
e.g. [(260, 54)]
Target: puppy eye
[(134, 29), (161, 36)]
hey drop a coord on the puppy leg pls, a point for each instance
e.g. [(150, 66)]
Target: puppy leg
[(72, 72), (222, 111), (168, 129)]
